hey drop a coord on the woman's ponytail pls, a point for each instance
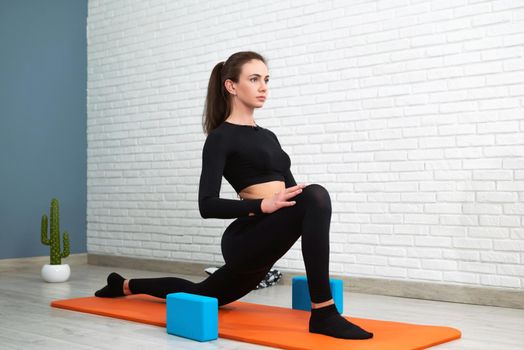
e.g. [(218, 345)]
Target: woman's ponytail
[(215, 105)]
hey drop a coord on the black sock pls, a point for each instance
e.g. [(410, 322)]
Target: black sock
[(327, 320), (114, 288)]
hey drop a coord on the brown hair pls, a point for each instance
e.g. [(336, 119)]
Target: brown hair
[(218, 101)]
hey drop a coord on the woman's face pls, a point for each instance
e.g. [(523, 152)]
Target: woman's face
[(251, 89)]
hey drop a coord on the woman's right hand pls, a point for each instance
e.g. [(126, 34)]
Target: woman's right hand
[(280, 199)]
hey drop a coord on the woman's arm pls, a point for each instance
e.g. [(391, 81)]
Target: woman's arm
[(210, 204), (289, 179), (288, 176)]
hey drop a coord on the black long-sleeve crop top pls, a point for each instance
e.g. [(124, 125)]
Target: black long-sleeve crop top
[(245, 155)]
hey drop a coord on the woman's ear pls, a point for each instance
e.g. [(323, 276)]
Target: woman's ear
[(230, 86)]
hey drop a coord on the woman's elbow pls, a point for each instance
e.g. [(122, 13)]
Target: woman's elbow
[(202, 211), (202, 208)]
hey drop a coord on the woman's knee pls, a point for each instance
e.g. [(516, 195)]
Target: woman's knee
[(317, 196)]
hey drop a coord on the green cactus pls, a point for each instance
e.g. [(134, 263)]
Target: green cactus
[(54, 241)]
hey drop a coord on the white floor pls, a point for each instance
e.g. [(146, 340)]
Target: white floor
[(28, 322)]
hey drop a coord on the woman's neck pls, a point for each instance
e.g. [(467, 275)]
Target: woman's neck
[(242, 120), (241, 114)]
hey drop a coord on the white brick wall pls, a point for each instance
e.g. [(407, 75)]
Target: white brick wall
[(411, 114)]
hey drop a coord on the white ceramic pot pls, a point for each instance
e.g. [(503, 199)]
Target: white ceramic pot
[(56, 273)]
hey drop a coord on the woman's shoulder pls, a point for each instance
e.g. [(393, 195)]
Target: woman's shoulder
[(217, 138), (271, 133), (218, 132)]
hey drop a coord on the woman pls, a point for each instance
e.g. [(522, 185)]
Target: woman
[(272, 213)]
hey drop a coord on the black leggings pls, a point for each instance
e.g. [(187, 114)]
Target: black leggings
[(251, 245)]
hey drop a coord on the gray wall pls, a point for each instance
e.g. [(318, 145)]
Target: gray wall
[(43, 81)]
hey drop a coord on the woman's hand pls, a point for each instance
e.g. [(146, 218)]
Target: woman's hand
[(280, 199)]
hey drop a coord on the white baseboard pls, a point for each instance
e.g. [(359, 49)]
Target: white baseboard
[(21, 263)]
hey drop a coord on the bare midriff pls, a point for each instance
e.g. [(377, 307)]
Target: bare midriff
[(262, 190)]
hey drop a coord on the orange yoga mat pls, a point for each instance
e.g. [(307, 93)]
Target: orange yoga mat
[(273, 326)]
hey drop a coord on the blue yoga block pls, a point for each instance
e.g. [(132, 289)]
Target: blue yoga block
[(192, 316), (302, 300)]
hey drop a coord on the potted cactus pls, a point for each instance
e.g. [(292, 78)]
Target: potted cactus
[(56, 271)]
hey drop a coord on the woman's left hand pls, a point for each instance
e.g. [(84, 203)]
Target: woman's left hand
[(280, 199)]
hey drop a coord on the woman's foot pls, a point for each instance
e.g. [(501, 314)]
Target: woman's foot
[(114, 288), (328, 321)]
